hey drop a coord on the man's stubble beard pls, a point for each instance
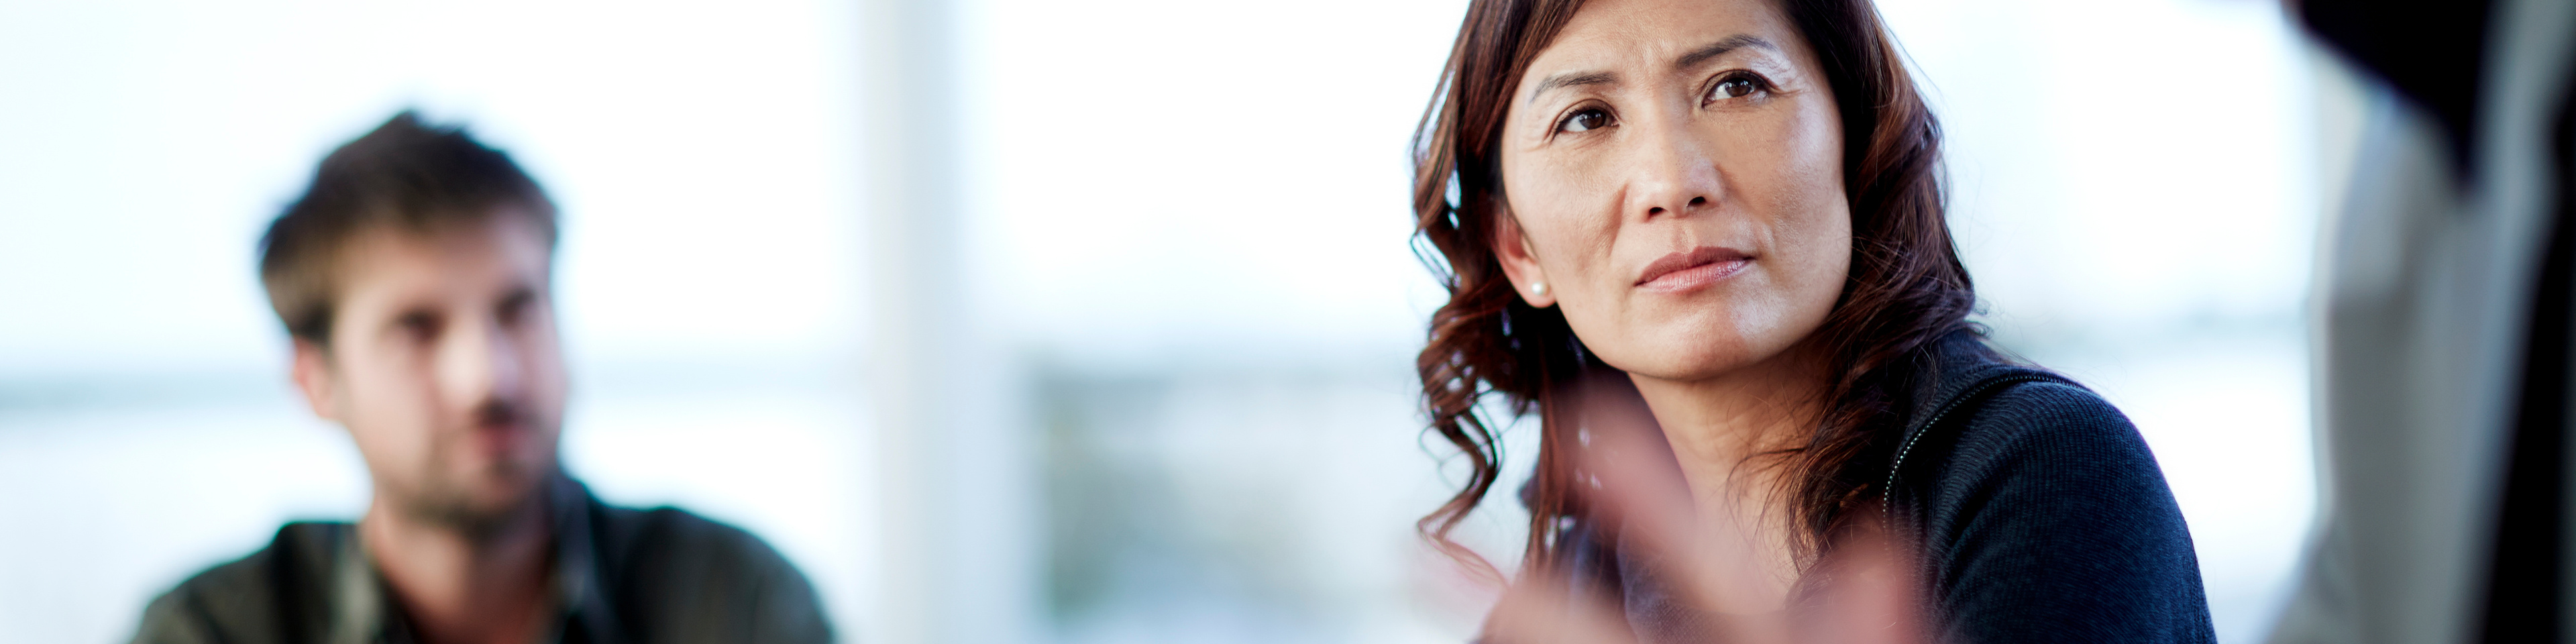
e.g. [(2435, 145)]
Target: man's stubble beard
[(453, 502), (454, 506)]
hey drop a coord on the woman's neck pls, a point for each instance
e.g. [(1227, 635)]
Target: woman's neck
[(1716, 424), (1719, 428)]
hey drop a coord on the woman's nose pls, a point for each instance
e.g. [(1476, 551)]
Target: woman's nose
[(1675, 175)]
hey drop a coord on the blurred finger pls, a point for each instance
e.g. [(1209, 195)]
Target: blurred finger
[(1865, 590), (1869, 593), (1544, 609), (1630, 482)]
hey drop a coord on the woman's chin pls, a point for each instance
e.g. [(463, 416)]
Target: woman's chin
[(1689, 353), (1683, 364)]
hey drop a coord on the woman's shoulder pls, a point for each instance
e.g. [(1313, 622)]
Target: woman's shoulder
[(2047, 514), (2048, 418), (2026, 426), (1997, 409)]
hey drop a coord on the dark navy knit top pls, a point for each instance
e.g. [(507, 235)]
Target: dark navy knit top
[(2035, 510)]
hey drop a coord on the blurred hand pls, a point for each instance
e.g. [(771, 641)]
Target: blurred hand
[(1861, 591)]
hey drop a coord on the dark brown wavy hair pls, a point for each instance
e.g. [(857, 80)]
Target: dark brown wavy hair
[(1906, 290)]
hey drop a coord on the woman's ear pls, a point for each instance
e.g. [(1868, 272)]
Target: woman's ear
[(1520, 261)]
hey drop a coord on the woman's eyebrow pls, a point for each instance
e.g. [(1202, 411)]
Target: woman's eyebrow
[(1571, 79), (1719, 48)]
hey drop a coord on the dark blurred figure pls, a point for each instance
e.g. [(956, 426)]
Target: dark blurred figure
[(2448, 283), (415, 278)]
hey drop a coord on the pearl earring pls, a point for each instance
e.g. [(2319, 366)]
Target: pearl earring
[(1539, 288)]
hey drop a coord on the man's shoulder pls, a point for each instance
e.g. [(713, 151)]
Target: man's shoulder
[(625, 535), (674, 571), (276, 593), (667, 547)]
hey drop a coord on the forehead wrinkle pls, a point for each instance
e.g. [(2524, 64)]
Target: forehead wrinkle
[(1687, 60), (1722, 47), (1573, 79)]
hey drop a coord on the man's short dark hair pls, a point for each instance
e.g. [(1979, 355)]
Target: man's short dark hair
[(406, 175)]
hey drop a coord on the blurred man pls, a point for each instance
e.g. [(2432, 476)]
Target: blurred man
[(414, 276)]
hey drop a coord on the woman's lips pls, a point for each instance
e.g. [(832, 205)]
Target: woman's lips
[(1688, 270)]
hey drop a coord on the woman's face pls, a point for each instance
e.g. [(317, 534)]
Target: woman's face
[(1673, 176)]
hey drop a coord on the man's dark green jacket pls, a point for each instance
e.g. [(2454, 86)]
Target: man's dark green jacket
[(621, 575)]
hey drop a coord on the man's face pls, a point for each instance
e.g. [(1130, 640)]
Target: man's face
[(444, 366)]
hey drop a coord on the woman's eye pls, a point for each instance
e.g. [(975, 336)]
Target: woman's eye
[(1735, 87), (1584, 120)]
